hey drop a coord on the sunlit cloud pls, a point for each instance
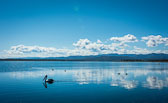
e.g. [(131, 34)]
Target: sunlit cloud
[(152, 40), (125, 39)]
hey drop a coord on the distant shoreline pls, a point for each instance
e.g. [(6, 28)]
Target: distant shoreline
[(83, 60)]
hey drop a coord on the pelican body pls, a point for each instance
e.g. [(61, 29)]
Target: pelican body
[(48, 80)]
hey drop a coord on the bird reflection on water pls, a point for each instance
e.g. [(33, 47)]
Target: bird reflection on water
[(45, 81)]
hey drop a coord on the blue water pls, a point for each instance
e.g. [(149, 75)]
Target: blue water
[(83, 82)]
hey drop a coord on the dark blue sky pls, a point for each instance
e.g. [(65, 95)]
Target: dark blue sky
[(59, 23)]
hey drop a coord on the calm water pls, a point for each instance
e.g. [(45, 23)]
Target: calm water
[(84, 82)]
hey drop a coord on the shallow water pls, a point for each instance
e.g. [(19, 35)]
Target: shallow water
[(84, 82)]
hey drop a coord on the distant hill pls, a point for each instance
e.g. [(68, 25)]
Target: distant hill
[(103, 57)]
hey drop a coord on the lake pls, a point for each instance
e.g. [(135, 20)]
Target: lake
[(83, 82)]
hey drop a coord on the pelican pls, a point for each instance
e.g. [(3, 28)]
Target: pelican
[(48, 80)]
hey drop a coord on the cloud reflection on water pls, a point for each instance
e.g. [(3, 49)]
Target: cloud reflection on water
[(153, 82), (128, 79)]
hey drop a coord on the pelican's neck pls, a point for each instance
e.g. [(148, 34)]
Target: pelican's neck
[(45, 78)]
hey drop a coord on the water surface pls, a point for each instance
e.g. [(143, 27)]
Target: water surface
[(83, 82)]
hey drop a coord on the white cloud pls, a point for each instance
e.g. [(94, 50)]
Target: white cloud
[(138, 50), (100, 48), (82, 43), (84, 47), (125, 39), (29, 49), (98, 41), (85, 44), (37, 51), (153, 40)]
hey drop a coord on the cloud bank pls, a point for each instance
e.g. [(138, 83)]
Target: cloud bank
[(84, 47)]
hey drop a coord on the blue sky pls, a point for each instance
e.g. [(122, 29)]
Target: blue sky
[(61, 23)]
